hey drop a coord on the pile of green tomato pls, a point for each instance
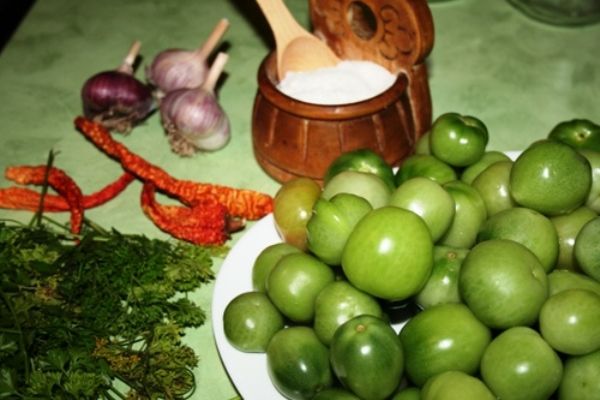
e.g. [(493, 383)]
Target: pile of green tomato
[(465, 274)]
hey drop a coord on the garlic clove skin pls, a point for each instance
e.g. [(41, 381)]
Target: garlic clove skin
[(216, 139), (194, 121), (174, 69)]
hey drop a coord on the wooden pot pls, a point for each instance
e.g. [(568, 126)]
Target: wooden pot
[(292, 138)]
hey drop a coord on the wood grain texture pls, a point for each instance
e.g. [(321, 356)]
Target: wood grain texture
[(292, 138)]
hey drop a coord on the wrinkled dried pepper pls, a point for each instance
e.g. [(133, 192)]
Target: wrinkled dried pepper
[(203, 223), (209, 214), (59, 181), (242, 203), (18, 198), (26, 199)]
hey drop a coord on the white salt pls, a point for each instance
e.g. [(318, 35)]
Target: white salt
[(346, 82)]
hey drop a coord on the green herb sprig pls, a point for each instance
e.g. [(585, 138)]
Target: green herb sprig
[(98, 315)]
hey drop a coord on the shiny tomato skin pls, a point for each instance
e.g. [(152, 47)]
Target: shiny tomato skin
[(581, 377), (367, 357), (578, 133), (520, 365), (292, 209), (459, 140), (361, 160), (570, 321), (298, 363), (389, 254), (443, 338)]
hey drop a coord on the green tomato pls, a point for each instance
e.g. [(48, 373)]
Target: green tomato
[(362, 184), (581, 378), (458, 140), (367, 357), (503, 283), (294, 284), (362, 160), (489, 157), (265, 262), (422, 144), (469, 215), (331, 223), (335, 394), (446, 337), (577, 133), (593, 199), (339, 302), (570, 321), (429, 200), (528, 227), (442, 285), (493, 186), (455, 385), (520, 365), (563, 279), (409, 393), (427, 166), (568, 227), (250, 320), (389, 254), (292, 208), (550, 177), (298, 363), (587, 249)]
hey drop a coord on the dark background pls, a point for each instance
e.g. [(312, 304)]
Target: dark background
[(11, 15)]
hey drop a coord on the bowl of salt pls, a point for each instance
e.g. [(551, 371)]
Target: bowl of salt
[(377, 97)]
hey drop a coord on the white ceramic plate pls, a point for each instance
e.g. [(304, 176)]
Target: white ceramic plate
[(248, 371)]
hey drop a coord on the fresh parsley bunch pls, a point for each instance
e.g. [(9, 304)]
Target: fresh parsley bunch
[(100, 315)]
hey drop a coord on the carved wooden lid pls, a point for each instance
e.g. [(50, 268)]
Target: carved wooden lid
[(396, 34)]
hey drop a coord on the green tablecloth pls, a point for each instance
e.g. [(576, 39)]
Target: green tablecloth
[(519, 76)]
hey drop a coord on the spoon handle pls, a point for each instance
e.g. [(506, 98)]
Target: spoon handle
[(285, 28)]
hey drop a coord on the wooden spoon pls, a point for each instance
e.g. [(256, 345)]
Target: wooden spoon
[(297, 49)]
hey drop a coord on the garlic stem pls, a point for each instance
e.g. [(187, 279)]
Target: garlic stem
[(129, 60), (215, 72), (212, 40)]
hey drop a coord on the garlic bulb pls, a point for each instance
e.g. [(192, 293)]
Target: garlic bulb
[(174, 69), (194, 121), (193, 118)]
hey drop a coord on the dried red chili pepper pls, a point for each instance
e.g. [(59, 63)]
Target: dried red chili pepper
[(243, 203), (18, 198), (59, 181), (108, 192), (203, 223)]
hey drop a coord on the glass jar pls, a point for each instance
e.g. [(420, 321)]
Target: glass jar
[(561, 12)]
